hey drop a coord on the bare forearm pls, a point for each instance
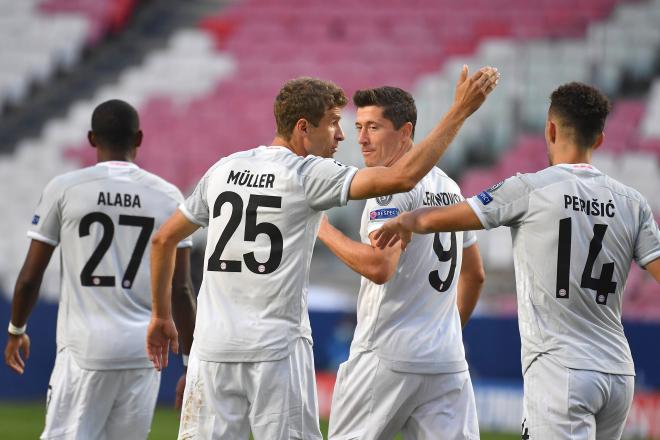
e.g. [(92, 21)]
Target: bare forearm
[(469, 291), (453, 218), (26, 294), (183, 309), (163, 255), (358, 256)]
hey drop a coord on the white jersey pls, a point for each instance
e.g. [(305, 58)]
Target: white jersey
[(103, 218), (263, 208), (412, 322), (575, 232)]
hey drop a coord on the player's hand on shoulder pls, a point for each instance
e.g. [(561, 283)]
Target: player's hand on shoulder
[(16, 344), (471, 90), (160, 334)]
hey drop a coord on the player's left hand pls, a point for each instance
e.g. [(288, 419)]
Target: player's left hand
[(392, 232), (160, 334), (180, 388), (13, 352)]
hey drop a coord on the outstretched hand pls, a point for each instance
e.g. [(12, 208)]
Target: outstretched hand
[(16, 344), (392, 232), (160, 334), (471, 91)]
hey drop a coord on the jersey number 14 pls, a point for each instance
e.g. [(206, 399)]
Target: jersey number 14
[(603, 285)]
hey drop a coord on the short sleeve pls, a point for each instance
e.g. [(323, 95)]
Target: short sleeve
[(326, 182), (178, 197), (647, 244), (503, 204), (47, 218), (196, 208), (469, 238), (381, 209)]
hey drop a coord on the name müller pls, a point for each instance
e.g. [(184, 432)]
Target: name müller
[(246, 178)]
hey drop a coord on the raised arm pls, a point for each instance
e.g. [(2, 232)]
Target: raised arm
[(459, 217), (378, 265), (405, 173), (26, 293), (162, 331), (470, 282)]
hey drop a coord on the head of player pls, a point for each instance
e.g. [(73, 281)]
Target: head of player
[(576, 118), (385, 121), (115, 132), (307, 113)]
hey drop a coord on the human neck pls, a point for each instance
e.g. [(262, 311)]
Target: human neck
[(296, 149)]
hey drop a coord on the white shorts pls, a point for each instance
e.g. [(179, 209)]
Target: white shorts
[(275, 399), (99, 404), (563, 403), (371, 401), (303, 400)]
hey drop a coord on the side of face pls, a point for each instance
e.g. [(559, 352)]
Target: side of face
[(380, 142), (322, 140)]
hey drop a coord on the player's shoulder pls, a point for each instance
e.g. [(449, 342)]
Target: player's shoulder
[(158, 183), (65, 181), (623, 190)]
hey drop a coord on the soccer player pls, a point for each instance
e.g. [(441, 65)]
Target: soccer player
[(407, 370), (251, 366), (102, 385), (575, 232)]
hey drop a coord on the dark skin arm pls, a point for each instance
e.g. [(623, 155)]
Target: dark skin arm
[(183, 311), (26, 293)]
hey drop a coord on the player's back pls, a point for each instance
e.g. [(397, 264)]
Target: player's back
[(102, 217), (572, 253), (262, 208), (412, 321)]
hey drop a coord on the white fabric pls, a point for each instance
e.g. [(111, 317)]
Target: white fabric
[(371, 401), (562, 403), (99, 404), (407, 322), (109, 210), (563, 310), (228, 400), (303, 403), (263, 207)]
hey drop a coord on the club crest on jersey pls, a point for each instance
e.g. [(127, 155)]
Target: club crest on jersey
[(35, 219), (484, 197), (384, 200), (381, 214)]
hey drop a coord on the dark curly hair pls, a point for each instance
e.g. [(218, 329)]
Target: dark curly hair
[(305, 98), (398, 105), (583, 108)]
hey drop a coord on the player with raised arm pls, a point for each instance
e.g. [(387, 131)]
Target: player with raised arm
[(575, 233), (407, 370), (251, 366), (102, 217)]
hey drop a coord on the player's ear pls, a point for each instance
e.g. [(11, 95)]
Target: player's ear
[(599, 140), (138, 138), (91, 138), (302, 125), (551, 131), (406, 130)]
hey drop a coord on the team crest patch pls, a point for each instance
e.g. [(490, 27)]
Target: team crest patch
[(484, 197), (384, 200), (35, 219), (495, 187), (381, 214)]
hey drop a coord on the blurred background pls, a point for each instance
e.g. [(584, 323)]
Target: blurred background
[(203, 75)]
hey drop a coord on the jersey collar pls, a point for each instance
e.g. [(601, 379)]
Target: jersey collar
[(118, 164), (580, 167)]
